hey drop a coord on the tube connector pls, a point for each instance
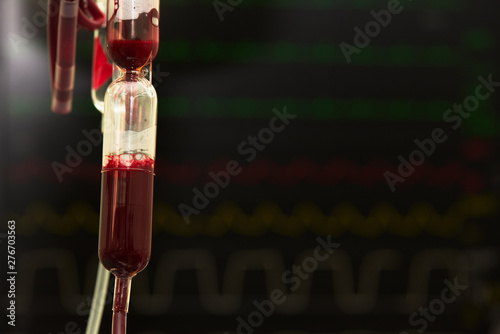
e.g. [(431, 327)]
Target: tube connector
[(120, 304)]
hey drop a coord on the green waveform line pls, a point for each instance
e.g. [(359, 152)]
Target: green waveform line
[(290, 53), (438, 55), (318, 53), (478, 39), (483, 122), (330, 4), (308, 109)]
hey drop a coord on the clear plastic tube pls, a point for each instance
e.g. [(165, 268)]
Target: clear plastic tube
[(97, 307), (103, 70), (62, 95), (66, 16)]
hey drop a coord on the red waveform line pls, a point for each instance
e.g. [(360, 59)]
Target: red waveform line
[(477, 149), (340, 171)]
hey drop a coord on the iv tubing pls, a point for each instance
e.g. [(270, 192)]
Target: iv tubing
[(62, 25), (64, 77), (98, 301), (97, 19), (120, 304)]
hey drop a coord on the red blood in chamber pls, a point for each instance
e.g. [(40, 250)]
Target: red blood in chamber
[(132, 54), (126, 218)]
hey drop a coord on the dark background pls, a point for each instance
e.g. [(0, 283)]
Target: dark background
[(322, 175)]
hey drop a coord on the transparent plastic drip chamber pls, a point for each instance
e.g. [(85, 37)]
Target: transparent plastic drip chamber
[(101, 76), (129, 120), (129, 145)]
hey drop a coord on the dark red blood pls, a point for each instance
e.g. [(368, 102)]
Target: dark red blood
[(126, 218), (103, 69), (132, 54), (138, 161)]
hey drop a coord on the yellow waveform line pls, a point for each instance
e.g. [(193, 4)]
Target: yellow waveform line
[(268, 216)]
